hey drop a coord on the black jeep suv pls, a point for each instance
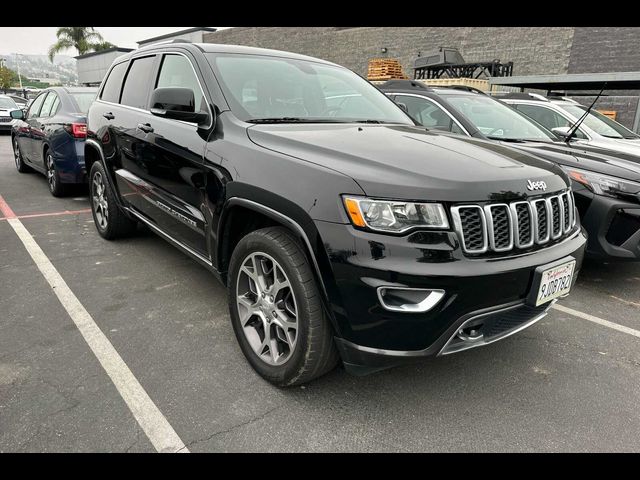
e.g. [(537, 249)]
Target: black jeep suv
[(341, 228)]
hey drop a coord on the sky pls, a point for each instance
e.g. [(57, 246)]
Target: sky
[(37, 40)]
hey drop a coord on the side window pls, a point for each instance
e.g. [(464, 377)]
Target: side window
[(55, 107), (176, 71), (428, 113), (137, 84), (113, 85), (34, 109), (47, 105), (546, 117)]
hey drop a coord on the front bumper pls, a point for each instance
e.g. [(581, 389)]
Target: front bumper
[(370, 337), (613, 226)]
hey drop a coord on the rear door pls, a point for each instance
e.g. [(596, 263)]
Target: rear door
[(40, 127), (26, 140)]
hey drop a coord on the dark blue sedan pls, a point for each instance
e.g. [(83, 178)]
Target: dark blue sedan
[(50, 136)]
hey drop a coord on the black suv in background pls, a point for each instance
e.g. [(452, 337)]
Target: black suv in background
[(606, 182), (341, 228)]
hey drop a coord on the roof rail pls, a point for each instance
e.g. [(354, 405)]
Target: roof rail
[(520, 96), (404, 84), (167, 42), (466, 88)]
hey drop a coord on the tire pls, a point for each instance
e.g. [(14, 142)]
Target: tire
[(56, 187), (17, 155), (314, 352), (110, 221)]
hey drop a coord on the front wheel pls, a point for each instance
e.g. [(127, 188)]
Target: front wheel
[(276, 310), (110, 221)]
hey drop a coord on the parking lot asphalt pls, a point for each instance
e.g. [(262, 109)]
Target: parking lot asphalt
[(565, 384)]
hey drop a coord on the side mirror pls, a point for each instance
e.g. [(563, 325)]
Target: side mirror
[(176, 103), (403, 107), (562, 132), (17, 114)]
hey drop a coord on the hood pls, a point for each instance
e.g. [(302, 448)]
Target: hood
[(407, 162), (589, 157), (618, 144)]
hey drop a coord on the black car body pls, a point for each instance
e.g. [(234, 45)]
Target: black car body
[(207, 171), (610, 213), (49, 136)]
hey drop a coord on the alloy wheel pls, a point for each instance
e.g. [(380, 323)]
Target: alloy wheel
[(51, 173), (267, 308), (16, 153), (99, 198)]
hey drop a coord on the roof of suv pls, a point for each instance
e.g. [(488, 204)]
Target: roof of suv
[(221, 48)]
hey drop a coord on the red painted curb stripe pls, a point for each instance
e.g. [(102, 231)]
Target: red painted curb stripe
[(6, 209), (36, 215)]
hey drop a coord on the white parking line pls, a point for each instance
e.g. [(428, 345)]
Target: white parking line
[(149, 417), (599, 321)]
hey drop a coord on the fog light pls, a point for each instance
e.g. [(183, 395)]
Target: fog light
[(410, 300)]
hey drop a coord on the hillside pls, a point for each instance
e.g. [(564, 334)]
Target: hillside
[(63, 68)]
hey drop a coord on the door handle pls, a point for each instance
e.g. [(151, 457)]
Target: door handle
[(145, 127), (109, 116)]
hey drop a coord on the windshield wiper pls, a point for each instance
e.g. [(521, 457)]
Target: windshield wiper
[(295, 120), (574, 128), (512, 140)]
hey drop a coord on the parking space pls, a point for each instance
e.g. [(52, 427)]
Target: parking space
[(565, 384)]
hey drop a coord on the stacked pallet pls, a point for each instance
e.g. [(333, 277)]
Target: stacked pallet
[(381, 69)]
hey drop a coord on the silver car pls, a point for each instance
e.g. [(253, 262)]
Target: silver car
[(559, 115), (7, 105)]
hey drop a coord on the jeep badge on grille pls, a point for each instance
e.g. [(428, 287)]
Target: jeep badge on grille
[(536, 185)]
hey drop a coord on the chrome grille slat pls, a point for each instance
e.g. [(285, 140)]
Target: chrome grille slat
[(501, 227)]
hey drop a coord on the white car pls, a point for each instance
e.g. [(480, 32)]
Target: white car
[(7, 105), (559, 115)]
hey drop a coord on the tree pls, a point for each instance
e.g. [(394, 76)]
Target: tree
[(7, 78), (80, 38), (99, 46)]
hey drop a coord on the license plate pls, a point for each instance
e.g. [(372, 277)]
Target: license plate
[(555, 282)]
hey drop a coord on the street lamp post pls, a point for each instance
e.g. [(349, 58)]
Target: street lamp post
[(19, 76)]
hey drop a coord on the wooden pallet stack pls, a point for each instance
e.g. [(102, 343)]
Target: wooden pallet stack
[(385, 69)]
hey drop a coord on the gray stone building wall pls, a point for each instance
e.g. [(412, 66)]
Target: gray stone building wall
[(534, 50), (605, 49)]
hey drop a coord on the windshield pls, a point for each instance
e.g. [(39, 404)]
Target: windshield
[(496, 120), (6, 102), (599, 123), (261, 88), (84, 100)]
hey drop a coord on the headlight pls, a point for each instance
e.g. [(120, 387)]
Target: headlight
[(603, 184), (393, 215)]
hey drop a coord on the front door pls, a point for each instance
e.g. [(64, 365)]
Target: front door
[(162, 160)]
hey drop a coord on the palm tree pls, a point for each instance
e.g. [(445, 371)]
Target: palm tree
[(79, 38), (97, 47)]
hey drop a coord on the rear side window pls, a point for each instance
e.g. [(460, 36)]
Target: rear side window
[(55, 106), (113, 85), (48, 103), (84, 100), (138, 83)]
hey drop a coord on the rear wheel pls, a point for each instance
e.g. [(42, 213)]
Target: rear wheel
[(110, 221), (276, 310), (17, 155), (56, 187)]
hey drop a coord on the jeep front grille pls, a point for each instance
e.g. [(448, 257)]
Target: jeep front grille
[(502, 227)]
